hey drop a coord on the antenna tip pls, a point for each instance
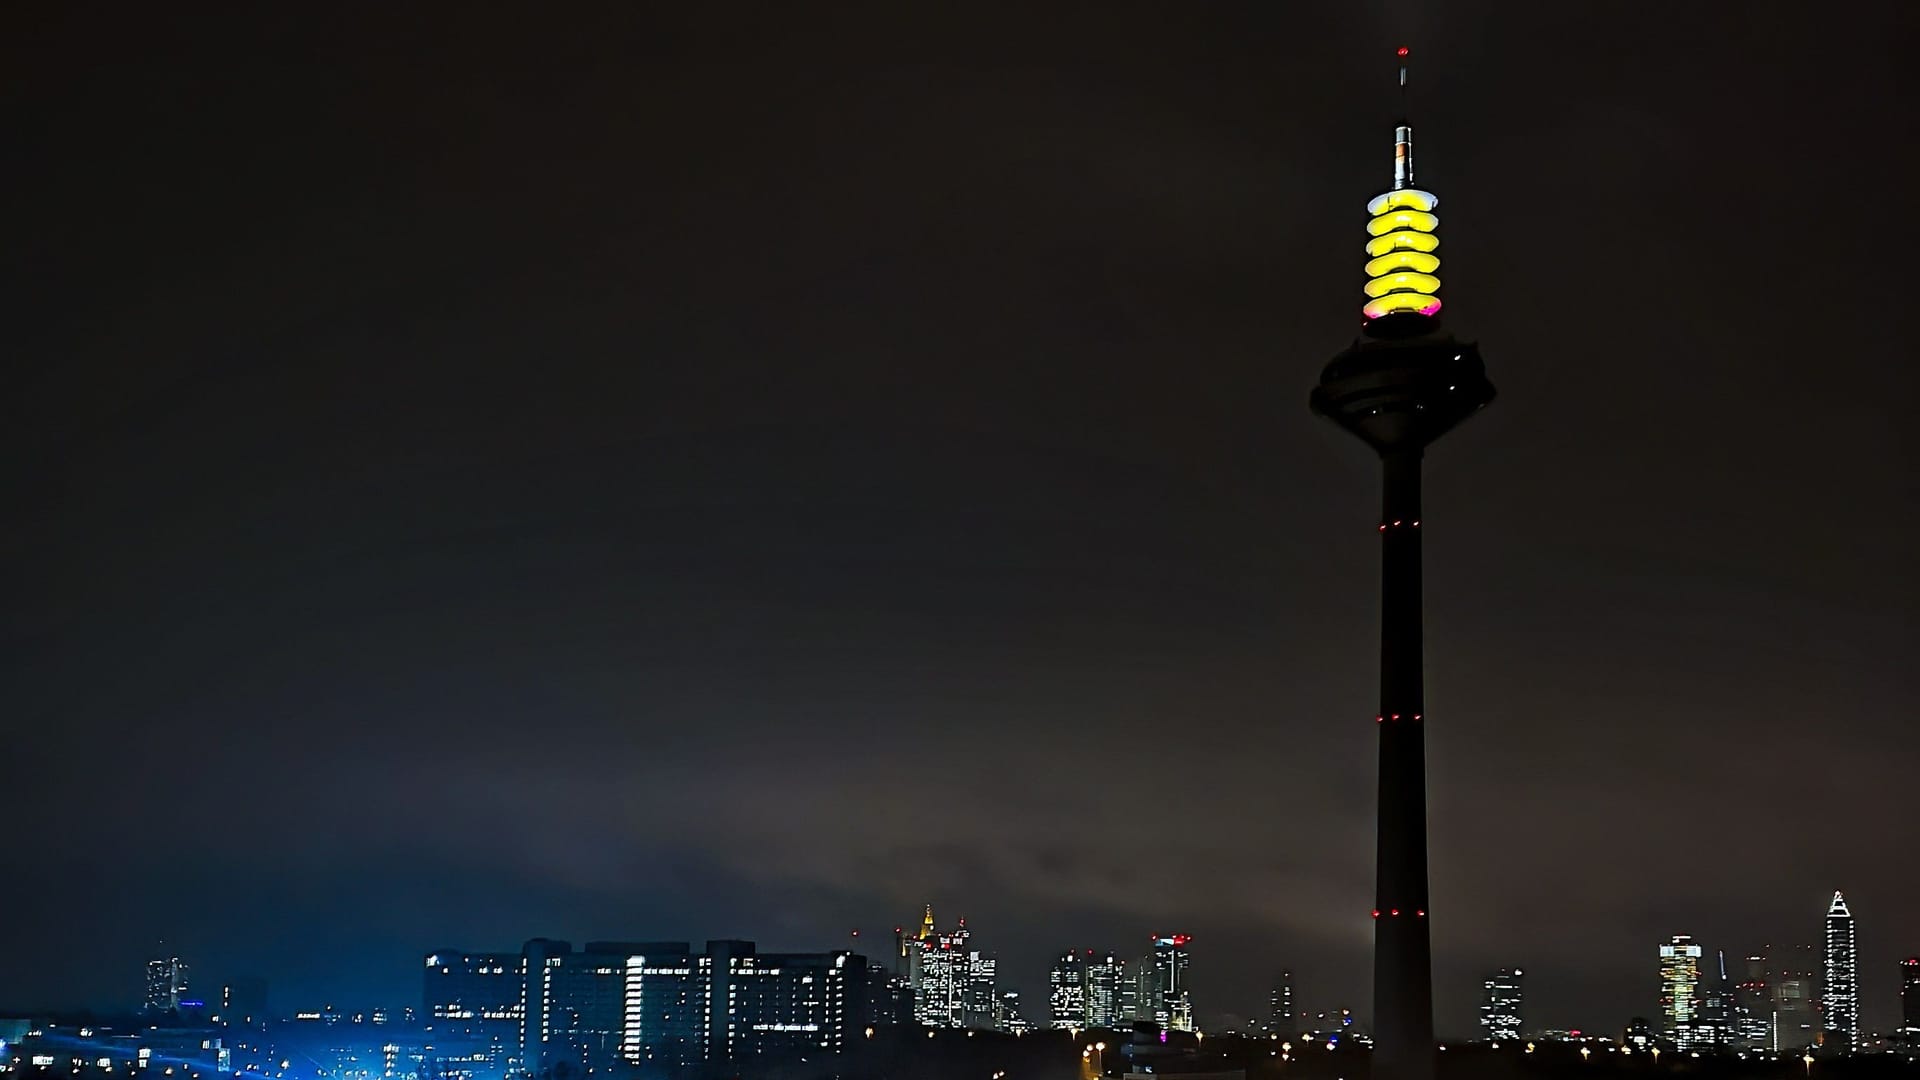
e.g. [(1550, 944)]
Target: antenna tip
[(1401, 51)]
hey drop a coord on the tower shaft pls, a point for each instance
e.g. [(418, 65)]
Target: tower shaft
[(1403, 954)]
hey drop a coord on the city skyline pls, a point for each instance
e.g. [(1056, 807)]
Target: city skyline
[(665, 474), (974, 1000)]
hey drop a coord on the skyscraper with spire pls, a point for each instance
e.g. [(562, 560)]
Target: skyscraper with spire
[(1840, 989), (1403, 383)]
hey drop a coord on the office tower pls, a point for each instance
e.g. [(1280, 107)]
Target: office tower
[(780, 1004), (1715, 1025), (613, 1007), (1172, 1000), (1680, 990), (1753, 1007), (1840, 990), (1012, 1021), (1793, 981), (1138, 998), (166, 988), (1280, 1018), (1910, 995), (1500, 1008), (1106, 978), (578, 1000), (1403, 384), (915, 947), (1067, 991), (474, 996), (942, 967), (982, 998)]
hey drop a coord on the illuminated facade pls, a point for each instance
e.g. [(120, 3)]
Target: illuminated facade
[(1280, 1015), (1136, 989), (1910, 995), (1753, 1007), (1840, 989), (621, 1006), (982, 997), (1067, 991), (1500, 1009), (1792, 981), (166, 989), (1012, 1020), (1106, 983), (1401, 258), (474, 993), (953, 984), (1680, 990), (1172, 1001), (1399, 387)]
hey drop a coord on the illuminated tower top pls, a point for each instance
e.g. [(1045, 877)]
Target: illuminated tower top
[(1400, 251), (1405, 382)]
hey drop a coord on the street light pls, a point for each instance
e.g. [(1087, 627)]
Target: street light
[(1584, 1052), (1809, 1062)]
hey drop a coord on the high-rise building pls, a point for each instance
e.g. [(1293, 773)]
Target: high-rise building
[(1137, 996), (1500, 1008), (1840, 990), (982, 997), (166, 985), (1792, 984), (614, 1007), (1106, 980), (1067, 991), (1680, 990), (1172, 1001), (1280, 1018), (1753, 1007), (1399, 387), (1910, 995), (943, 970), (1716, 1024), (1012, 1021), (472, 1002)]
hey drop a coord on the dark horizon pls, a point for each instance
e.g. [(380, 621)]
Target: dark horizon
[(472, 476)]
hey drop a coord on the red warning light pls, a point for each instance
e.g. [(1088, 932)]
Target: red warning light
[(1401, 51)]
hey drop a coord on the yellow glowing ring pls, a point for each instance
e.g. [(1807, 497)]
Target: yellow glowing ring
[(1401, 301), (1403, 260), (1403, 219), (1404, 240), (1408, 197), (1403, 282)]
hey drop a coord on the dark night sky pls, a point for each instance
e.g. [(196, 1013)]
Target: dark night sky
[(472, 474)]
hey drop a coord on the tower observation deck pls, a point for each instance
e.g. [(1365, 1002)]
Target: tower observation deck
[(1403, 383)]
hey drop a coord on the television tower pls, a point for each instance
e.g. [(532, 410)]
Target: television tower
[(1403, 383)]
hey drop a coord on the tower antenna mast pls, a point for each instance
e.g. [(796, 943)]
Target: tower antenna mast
[(1403, 131)]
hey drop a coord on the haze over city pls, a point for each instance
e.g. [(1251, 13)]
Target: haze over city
[(683, 475)]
